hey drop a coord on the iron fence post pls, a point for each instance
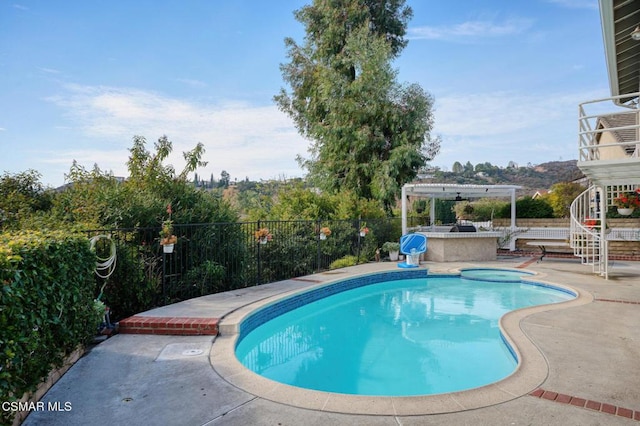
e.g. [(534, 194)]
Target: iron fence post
[(318, 245), (359, 227), (259, 260), (164, 276)]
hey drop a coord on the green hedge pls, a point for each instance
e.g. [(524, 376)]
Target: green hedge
[(46, 306)]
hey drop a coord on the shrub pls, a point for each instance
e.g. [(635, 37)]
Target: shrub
[(46, 306), (528, 207), (343, 262)]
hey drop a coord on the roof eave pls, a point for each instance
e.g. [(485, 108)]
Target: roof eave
[(608, 35)]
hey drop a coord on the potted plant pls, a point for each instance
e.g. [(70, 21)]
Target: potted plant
[(263, 235), (392, 248), (167, 237), (324, 232), (595, 224), (627, 202), (364, 230)]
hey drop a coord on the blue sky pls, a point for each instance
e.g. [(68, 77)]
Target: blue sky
[(78, 79)]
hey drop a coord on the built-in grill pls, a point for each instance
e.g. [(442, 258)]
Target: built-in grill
[(463, 228)]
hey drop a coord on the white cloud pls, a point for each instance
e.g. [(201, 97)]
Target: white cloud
[(49, 70), (471, 30), (503, 126), (499, 113), (243, 139)]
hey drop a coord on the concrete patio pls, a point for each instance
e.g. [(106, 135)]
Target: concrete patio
[(591, 351)]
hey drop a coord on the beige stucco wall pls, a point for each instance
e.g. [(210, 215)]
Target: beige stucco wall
[(610, 152), (461, 249)]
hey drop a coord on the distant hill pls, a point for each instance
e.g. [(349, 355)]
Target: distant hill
[(533, 178)]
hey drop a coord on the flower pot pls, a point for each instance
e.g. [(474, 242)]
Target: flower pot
[(362, 233), (263, 240), (393, 255), (625, 211), (323, 236), (167, 248)]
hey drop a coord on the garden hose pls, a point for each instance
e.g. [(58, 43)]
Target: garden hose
[(104, 266)]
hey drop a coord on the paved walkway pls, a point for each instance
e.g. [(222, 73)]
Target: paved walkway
[(592, 352)]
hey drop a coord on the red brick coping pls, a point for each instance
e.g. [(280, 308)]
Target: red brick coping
[(176, 326), (586, 403)]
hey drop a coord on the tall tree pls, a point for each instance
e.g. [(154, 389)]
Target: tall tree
[(369, 133)]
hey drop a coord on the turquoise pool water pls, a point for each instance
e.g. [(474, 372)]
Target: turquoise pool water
[(399, 338)]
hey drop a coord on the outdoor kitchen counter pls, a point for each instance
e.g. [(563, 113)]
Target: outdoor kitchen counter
[(461, 246)]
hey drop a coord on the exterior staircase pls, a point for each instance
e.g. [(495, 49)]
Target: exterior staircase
[(587, 232)]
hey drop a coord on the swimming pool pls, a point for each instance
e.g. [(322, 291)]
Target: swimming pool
[(393, 334)]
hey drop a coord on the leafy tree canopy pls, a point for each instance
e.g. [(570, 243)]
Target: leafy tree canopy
[(21, 194), (96, 198), (369, 134), (561, 196)]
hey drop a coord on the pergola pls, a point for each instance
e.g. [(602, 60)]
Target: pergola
[(447, 191)]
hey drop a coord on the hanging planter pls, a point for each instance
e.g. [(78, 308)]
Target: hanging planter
[(625, 211), (324, 232), (263, 235), (168, 243), (167, 238), (364, 231)]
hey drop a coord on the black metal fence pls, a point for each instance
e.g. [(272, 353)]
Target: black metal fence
[(214, 257)]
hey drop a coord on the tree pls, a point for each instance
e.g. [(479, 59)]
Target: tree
[(147, 168), (369, 133), (97, 199), (561, 196), (21, 194), (457, 167), (225, 178)]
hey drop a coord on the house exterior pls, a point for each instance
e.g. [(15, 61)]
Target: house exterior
[(609, 134), (617, 136)]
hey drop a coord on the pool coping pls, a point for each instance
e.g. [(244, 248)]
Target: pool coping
[(531, 372)]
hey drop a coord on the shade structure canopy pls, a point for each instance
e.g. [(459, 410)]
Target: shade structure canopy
[(447, 191)]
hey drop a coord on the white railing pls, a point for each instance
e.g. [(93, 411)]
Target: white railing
[(585, 233), (623, 129)]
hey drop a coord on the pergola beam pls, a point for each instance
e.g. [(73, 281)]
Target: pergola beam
[(446, 191)]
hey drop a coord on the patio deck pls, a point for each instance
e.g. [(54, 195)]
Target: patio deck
[(591, 351)]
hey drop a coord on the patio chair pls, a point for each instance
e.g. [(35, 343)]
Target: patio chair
[(412, 246)]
